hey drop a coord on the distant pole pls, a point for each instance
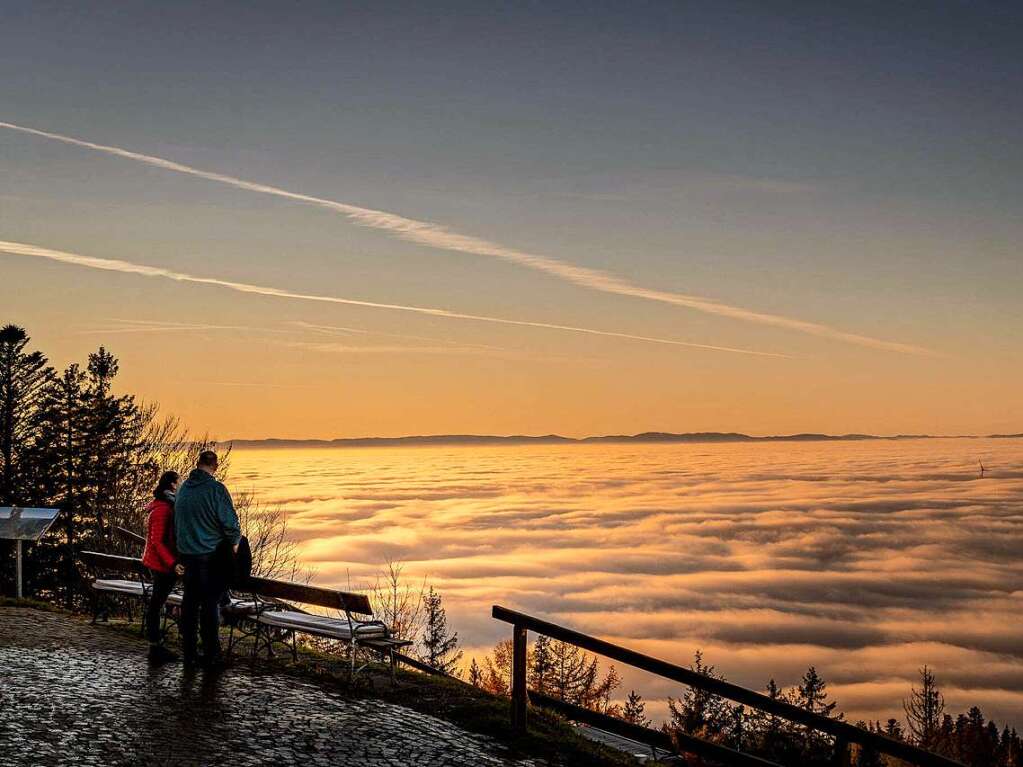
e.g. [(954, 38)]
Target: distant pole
[(17, 548)]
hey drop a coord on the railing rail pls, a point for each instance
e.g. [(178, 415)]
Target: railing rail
[(843, 732)]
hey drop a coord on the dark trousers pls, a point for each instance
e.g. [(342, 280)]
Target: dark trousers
[(200, 605), (163, 584)]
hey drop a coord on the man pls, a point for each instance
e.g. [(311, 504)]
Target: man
[(204, 519)]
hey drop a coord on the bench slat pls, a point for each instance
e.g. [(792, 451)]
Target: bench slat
[(99, 560), (321, 625), (310, 595)]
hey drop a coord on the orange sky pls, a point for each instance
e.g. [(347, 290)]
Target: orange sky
[(714, 223)]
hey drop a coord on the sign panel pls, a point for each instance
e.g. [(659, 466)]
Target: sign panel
[(21, 524)]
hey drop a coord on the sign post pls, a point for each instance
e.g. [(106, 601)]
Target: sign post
[(17, 548), (19, 525)]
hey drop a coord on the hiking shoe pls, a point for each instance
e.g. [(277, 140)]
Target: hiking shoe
[(159, 654)]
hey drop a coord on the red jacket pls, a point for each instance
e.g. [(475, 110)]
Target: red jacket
[(161, 554)]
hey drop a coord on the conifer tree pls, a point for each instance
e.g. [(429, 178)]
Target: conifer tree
[(812, 694), (439, 648), (573, 674), (58, 444), (634, 710), (924, 710), (600, 698), (475, 674), (540, 665), (771, 733), (699, 712), (23, 376)]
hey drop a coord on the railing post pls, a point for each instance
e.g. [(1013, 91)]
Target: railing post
[(518, 686)]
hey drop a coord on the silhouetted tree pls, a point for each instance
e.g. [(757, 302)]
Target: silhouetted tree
[(924, 710), (699, 712), (540, 663), (634, 710), (772, 736), (497, 669), (812, 694), (23, 377), (399, 603), (475, 674), (439, 648)]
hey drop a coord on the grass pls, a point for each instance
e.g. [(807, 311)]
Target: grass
[(548, 736), (35, 604)]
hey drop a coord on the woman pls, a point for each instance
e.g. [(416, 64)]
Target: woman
[(161, 557)]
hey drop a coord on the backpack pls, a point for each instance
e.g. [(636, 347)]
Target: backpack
[(235, 568)]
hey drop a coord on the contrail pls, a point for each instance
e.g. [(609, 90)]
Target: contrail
[(437, 236), (114, 265)]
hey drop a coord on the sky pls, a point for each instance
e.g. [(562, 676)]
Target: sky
[(341, 220)]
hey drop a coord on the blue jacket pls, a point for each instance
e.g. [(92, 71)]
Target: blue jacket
[(204, 515)]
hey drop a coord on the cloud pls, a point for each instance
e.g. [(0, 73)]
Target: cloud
[(126, 267), (866, 560), (156, 326), (437, 236)]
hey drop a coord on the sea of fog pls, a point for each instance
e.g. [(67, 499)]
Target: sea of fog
[(865, 559)]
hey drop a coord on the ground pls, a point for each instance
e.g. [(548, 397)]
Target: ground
[(72, 693)]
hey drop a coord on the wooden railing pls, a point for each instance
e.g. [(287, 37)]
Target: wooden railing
[(844, 733)]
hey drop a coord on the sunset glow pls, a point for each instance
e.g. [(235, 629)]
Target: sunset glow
[(866, 559), (694, 327)]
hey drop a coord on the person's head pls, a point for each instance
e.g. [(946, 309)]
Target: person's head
[(168, 483), (208, 461)]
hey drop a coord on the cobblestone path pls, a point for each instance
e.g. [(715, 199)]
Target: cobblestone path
[(71, 693)]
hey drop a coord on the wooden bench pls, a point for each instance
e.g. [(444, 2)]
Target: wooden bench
[(263, 606), (139, 586), (276, 621), (109, 579)]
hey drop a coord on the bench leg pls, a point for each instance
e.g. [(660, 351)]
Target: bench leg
[(394, 666), (294, 646)]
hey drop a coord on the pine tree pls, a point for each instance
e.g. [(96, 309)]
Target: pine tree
[(439, 648), (57, 445), (92, 445), (772, 734), (600, 698), (540, 665), (699, 712), (924, 710), (634, 711), (23, 377), (812, 694), (573, 675), (475, 674)]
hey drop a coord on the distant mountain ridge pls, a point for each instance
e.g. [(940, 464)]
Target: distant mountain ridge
[(556, 439)]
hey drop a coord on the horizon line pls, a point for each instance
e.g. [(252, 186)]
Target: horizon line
[(646, 436)]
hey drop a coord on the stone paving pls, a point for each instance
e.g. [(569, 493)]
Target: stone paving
[(71, 693)]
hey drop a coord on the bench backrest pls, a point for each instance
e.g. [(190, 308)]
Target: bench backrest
[(309, 595), (129, 536), (98, 560)]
